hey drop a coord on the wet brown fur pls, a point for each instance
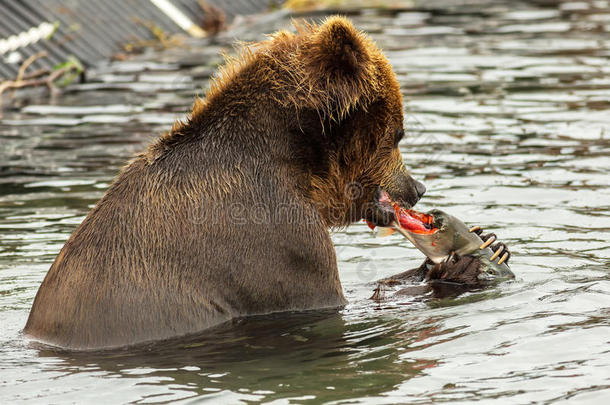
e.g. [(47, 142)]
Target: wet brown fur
[(190, 235)]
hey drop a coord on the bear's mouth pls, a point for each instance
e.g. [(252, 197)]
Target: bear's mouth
[(391, 214)]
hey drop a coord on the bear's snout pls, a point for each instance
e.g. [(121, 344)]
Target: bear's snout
[(381, 212), (420, 188), (404, 189)]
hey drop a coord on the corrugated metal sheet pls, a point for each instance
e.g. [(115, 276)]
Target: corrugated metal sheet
[(94, 30)]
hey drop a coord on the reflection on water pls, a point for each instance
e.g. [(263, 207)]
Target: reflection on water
[(317, 354), (508, 117)]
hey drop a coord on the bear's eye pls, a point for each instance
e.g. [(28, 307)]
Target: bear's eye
[(398, 135)]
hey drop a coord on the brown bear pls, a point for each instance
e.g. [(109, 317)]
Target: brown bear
[(228, 213)]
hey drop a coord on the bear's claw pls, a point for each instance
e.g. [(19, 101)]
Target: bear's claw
[(491, 239), (504, 258), (499, 248)]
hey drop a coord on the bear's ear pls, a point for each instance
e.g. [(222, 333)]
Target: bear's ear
[(339, 51), (339, 68)]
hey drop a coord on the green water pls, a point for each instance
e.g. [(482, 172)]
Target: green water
[(509, 128)]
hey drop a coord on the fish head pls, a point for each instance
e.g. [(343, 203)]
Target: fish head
[(492, 271)]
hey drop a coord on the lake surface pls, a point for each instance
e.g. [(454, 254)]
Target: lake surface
[(508, 126)]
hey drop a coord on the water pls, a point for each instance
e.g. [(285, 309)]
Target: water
[(509, 128)]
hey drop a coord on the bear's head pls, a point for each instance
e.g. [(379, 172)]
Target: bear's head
[(327, 100), (348, 122)]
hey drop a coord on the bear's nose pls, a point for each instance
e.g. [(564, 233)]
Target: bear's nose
[(420, 188)]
